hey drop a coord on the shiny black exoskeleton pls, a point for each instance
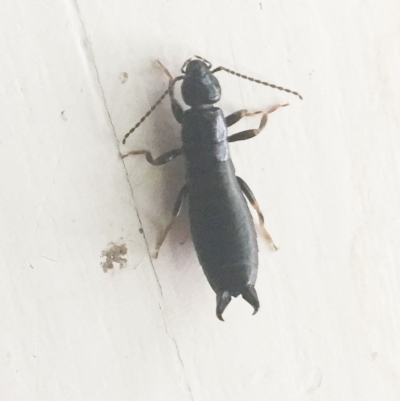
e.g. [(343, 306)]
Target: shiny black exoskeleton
[(221, 225), (222, 228)]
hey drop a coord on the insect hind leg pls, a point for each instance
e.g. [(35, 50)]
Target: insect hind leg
[(175, 213), (253, 201)]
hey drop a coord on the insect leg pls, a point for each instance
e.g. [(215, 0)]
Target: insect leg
[(175, 213), (251, 198), (235, 117), (177, 109), (238, 115), (163, 159)]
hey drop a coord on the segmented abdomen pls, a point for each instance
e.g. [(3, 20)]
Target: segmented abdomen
[(222, 228)]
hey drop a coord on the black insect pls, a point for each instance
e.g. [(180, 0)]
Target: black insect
[(220, 222)]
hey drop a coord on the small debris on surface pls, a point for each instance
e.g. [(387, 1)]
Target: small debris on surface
[(114, 256), (123, 77)]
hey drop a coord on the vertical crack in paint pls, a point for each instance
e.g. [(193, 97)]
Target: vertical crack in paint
[(91, 58)]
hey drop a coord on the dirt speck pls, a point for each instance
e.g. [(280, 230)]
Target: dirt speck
[(141, 230), (114, 256), (123, 77), (63, 116)]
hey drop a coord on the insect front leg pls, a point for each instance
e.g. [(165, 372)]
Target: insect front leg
[(177, 109), (251, 198), (235, 117), (175, 213), (163, 159), (238, 115)]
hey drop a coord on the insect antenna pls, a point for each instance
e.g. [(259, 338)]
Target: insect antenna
[(152, 108), (146, 115), (257, 81)]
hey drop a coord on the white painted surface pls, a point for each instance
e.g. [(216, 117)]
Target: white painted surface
[(325, 171)]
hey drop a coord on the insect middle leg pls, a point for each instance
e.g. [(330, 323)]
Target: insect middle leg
[(175, 213), (235, 117), (251, 198)]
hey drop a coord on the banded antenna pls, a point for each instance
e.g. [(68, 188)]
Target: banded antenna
[(152, 108), (257, 81), (173, 81)]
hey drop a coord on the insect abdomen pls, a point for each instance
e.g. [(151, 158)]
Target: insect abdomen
[(222, 229), (220, 221)]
